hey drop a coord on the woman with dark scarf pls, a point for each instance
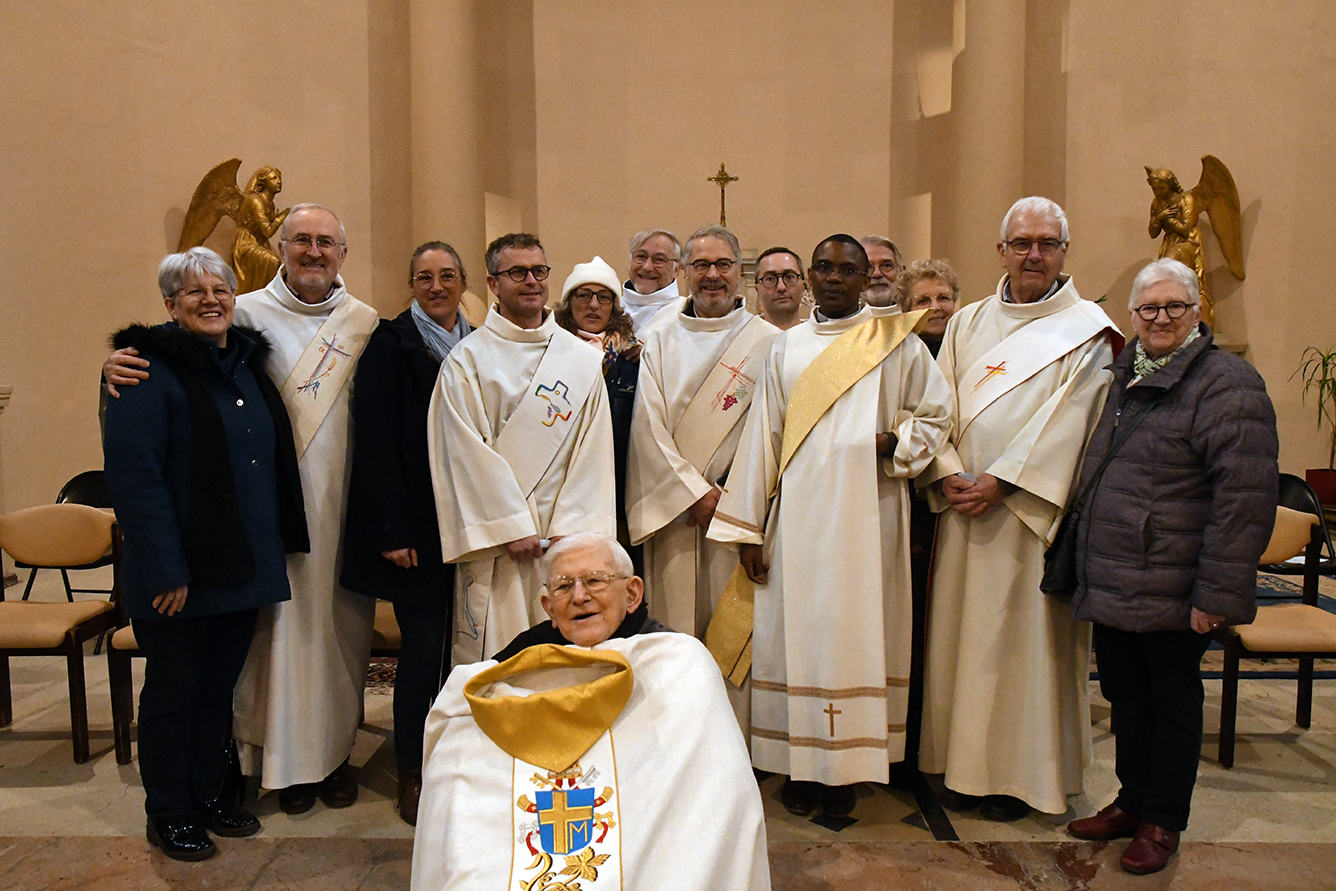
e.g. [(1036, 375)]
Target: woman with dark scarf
[(392, 545), (202, 470)]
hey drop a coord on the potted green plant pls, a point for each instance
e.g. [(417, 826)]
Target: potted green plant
[(1318, 369)]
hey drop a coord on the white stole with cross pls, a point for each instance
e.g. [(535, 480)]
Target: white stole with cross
[(325, 367)]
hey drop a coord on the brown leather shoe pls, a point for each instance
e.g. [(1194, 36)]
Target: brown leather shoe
[(410, 792), (1110, 823), (1149, 850)]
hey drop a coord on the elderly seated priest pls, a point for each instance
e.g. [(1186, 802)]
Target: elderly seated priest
[(603, 751)]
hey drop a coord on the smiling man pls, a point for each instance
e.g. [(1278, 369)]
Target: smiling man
[(592, 594), (651, 280), (859, 407), (521, 450), (591, 742), (698, 372), (1028, 365), (884, 263)]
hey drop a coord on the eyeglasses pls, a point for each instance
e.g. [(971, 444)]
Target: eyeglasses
[(563, 587), (772, 279), (889, 268), (824, 268), (426, 278), (658, 261), (304, 241), (1149, 312), (520, 273), (583, 297), (220, 292), (1021, 247), (724, 266), (927, 299)]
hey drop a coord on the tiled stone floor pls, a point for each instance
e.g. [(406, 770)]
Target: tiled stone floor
[(1270, 823)]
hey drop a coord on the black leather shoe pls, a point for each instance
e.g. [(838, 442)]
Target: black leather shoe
[(799, 796), (838, 801), (180, 838), (338, 789), (958, 801), (1002, 808), (298, 799), (222, 817)]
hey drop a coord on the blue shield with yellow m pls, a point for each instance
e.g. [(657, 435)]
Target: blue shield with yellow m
[(565, 819)]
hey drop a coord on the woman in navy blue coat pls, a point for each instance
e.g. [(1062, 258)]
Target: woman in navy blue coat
[(203, 476), (392, 545)]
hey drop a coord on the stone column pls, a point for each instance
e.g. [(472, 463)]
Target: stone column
[(988, 111), (448, 201)]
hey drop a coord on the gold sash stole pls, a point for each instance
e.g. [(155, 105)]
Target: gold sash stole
[(841, 365), (724, 396), (549, 409), (324, 368), (551, 728)]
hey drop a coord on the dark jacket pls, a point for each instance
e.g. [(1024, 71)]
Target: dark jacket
[(1185, 508), (203, 474), (636, 622), (390, 500), (621, 376)]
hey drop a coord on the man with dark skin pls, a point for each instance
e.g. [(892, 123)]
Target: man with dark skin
[(829, 385)]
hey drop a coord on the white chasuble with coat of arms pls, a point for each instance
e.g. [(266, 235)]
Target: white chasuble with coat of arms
[(616, 767)]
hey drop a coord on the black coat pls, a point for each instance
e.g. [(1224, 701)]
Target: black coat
[(390, 501), (203, 474), (1185, 508)]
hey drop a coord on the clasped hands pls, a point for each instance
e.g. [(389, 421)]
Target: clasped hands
[(973, 498)]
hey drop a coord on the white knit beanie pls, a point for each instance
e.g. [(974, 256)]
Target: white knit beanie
[(595, 272)]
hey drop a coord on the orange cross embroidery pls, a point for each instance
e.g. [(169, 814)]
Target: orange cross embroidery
[(999, 368)]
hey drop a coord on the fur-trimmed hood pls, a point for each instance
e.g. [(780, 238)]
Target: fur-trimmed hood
[(178, 346)]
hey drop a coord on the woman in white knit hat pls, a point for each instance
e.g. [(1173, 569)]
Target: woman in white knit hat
[(591, 309)]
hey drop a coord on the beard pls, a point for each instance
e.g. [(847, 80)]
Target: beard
[(879, 295)]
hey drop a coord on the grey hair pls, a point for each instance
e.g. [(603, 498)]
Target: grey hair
[(620, 558), (283, 229), (1040, 207), (883, 241), (922, 271), (176, 268), (1165, 270), (638, 240), (716, 232)]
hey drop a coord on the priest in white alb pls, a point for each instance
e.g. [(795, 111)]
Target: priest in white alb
[(698, 373), (299, 699), (1006, 716), (851, 406), (520, 441), (651, 280)]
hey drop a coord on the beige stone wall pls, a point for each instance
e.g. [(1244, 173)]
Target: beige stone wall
[(588, 120)]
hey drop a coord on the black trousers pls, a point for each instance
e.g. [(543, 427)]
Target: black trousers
[(185, 709), (421, 672), (1152, 680)]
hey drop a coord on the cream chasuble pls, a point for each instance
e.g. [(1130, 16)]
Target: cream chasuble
[(479, 503), (1005, 704), (830, 657), (685, 575), (299, 698), (648, 789), (644, 307)]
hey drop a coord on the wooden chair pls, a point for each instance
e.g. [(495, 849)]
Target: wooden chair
[(385, 641), (1300, 631), (88, 488), (58, 536)]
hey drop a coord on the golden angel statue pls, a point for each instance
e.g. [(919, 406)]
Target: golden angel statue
[(253, 259), (1175, 213)]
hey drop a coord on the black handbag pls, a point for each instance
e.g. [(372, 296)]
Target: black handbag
[(1059, 580)]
